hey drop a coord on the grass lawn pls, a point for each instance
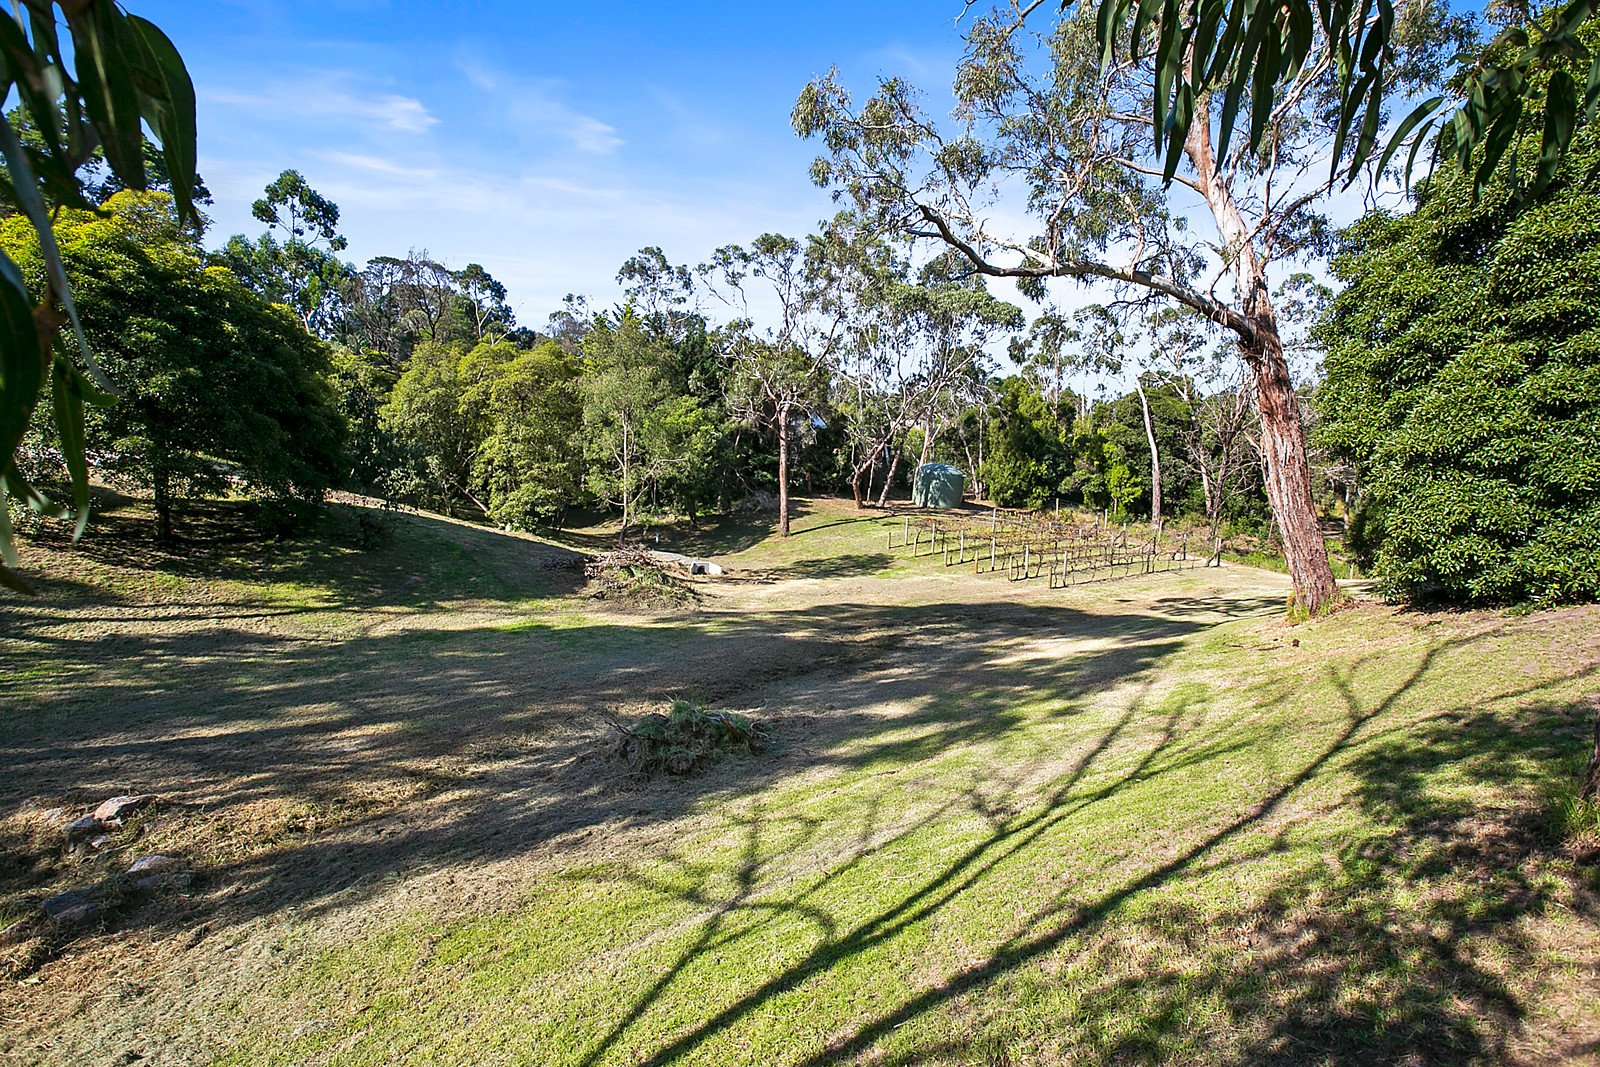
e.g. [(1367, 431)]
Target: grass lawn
[(1139, 821)]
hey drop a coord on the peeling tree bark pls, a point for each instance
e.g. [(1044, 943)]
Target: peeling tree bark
[(1155, 457), (1283, 440), (1283, 451)]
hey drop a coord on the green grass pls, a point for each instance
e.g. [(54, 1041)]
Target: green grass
[(1139, 821), (1264, 853)]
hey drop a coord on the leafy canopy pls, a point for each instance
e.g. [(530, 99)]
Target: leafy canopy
[(124, 77), (1463, 380)]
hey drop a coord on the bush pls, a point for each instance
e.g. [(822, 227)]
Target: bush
[(1463, 381)]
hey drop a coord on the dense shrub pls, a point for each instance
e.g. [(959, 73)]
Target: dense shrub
[(1463, 379), (219, 388)]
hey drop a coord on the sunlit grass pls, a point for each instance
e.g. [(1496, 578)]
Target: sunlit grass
[(1173, 871), (1128, 822)]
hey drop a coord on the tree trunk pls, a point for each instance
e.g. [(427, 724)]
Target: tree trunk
[(1283, 440), (888, 478), (1208, 491), (783, 470), (927, 444), (1155, 458), (627, 469), (1288, 474), (972, 469), (161, 485), (1591, 777)]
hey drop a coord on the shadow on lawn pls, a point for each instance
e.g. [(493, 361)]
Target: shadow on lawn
[(712, 536), (1335, 965), (494, 717), (421, 563), (1341, 965), (856, 565)]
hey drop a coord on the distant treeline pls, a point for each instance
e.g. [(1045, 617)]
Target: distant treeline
[(1453, 423)]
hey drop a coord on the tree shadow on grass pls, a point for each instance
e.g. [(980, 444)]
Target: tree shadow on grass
[(488, 722), (711, 536), (1337, 964), (415, 561), (857, 565), (494, 723)]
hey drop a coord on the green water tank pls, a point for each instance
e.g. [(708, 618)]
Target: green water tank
[(938, 485)]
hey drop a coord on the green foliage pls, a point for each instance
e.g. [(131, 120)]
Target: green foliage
[(1121, 421), (528, 461), (216, 382), (1252, 54), (361, 384), (1027, 457), (435, 427), (302, 270), (686, 738), (1124, 488), (647, 442), (124, 74), (521, 435), (299, 276), (1463, 377)]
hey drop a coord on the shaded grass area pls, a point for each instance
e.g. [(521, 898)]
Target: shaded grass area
[(1129, 823), (1329, 863)]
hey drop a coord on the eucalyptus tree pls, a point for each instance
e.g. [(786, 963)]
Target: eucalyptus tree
[(396, 303), (1144, 352), (374, 320), (1049, 356), (1219, 413), (1097, 340), (483, 304), (954, 317), (119, 77), (569, 326), (1048, 118), (915, 351), (296, 261), (779, 367), (1541, 68), (658, 289), (423, 292)]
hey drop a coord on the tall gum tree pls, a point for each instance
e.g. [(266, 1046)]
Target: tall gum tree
[(778, 370), (1043, 118)]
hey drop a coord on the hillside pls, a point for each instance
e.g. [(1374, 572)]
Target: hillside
[(1141, 820)]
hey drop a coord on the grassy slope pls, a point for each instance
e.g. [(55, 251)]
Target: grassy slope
[(1132, 821)]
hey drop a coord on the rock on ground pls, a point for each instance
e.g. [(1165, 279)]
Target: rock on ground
[(114, 811)]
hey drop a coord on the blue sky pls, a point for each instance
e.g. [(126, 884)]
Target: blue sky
[(546, 141)]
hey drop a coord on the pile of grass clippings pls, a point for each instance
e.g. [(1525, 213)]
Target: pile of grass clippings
[(685, 739)]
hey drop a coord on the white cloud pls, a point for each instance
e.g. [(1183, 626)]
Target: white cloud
[(543, 234), (533, 109), (328, 95)]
